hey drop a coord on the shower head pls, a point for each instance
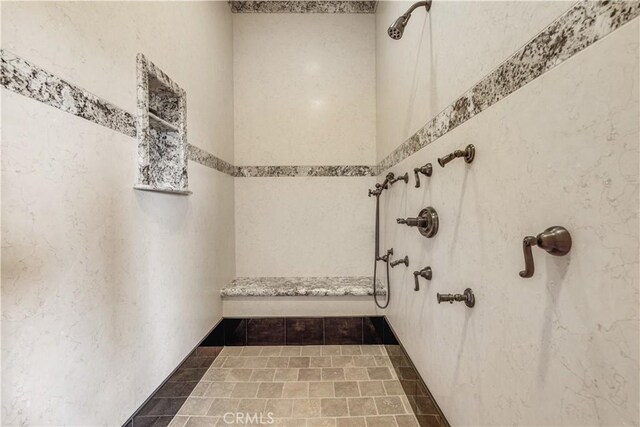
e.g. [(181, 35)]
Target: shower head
[(396, 29)]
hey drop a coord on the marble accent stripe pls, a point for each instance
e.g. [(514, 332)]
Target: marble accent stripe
[(293, 171), (27, 79), (24, 78), (273, 6), (205, 158), (581, 26), (302, 286)]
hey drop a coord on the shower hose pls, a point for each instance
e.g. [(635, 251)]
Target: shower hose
[(377, 258)]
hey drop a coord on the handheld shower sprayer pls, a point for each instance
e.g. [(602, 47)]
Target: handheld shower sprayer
[(396, 30), (389, 180)]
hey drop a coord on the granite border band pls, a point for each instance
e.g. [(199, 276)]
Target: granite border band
[(578, 28), (327, 6)]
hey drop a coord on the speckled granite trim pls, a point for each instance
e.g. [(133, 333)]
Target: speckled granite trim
[(273, 6), (581, 26), (301, 286), (293, 171), (207, 159), (161, 125), (24, 78)]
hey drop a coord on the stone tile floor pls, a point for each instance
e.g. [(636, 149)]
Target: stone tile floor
[(308, 386)]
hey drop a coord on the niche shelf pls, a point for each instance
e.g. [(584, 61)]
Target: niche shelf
[(161, 127)]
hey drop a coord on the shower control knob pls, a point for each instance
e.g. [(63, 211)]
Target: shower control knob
[(427, 170), (467, 297), (555, 240), (425, 273), (426, 221)]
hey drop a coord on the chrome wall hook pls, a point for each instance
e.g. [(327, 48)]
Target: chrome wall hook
[(404, 261), (427, 170), (555, 240), (425, 273), (467, 296), (426, 221), (469, 154)]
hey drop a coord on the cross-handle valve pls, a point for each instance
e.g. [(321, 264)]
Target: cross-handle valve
[(425, 273), (426, 170), (469, 153), (390, 179), (555, 240), (377, 191), (467, 297), (426, 221), (404, 261)]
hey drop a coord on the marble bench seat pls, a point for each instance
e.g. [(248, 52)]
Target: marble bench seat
[(298, 296), (300, 286)]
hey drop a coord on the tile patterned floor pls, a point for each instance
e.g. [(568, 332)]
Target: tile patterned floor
[(308, 386)]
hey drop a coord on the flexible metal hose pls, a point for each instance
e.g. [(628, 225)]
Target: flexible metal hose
[(376, 258)]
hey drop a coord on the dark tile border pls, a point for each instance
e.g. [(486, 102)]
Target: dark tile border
[(304, 330), (257, 331), (423, 404), (165, 402), (266, 331), (343, 330)]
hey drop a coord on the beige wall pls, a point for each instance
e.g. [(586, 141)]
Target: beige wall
[(317, 226), (560, 348), (304, 95), (105, 289), (304, 89)]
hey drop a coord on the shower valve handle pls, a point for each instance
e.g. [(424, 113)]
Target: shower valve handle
[(426, 222), (425, 273), (426, 169), (555, 240), (468, 298)]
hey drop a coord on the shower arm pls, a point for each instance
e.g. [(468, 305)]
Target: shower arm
[(414, 6)]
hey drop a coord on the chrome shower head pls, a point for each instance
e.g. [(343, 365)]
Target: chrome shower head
[(396, 29)]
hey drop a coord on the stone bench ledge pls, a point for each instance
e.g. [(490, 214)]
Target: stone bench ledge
[(301, 286)]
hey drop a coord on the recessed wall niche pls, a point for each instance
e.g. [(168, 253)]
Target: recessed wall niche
[(161, 127)]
